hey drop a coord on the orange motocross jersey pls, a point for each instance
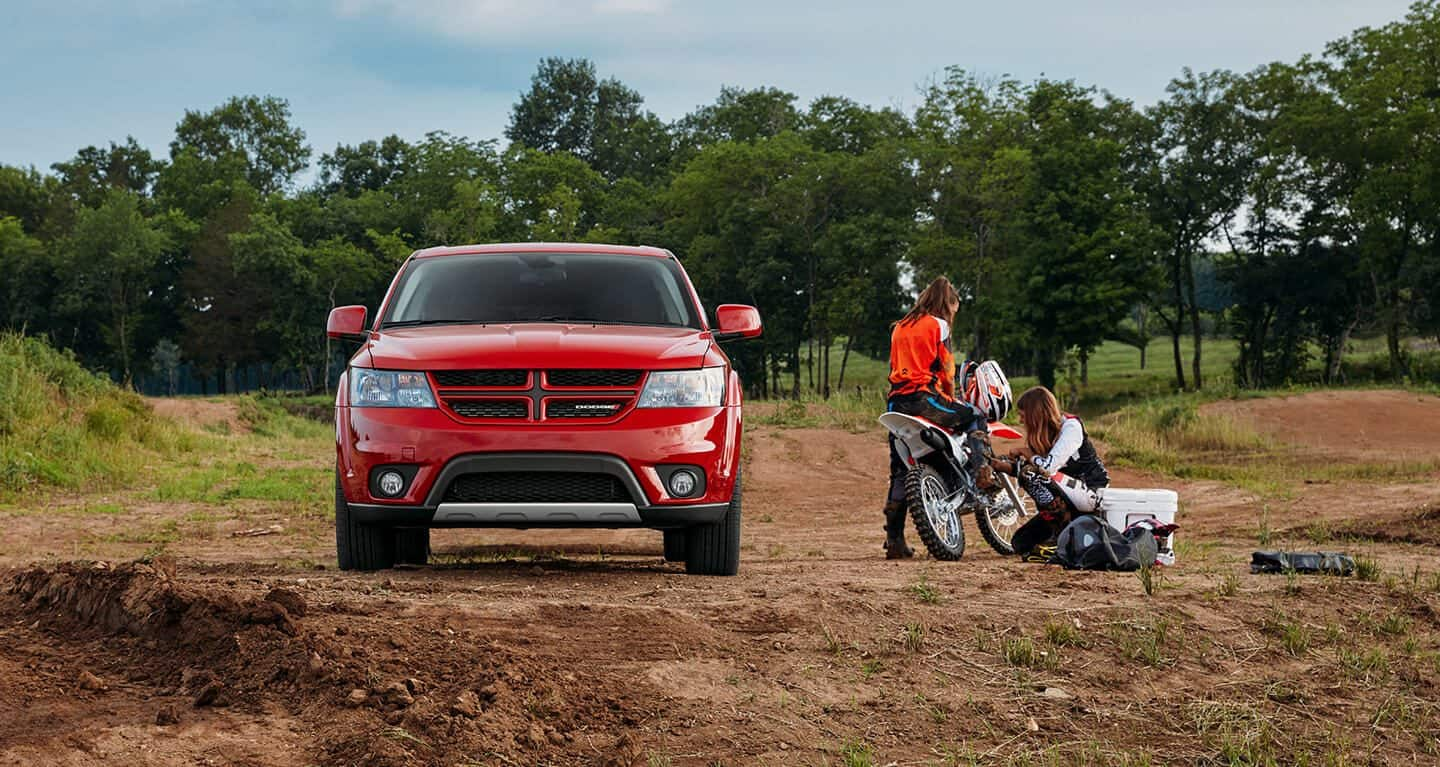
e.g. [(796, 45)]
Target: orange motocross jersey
[(920, 360)]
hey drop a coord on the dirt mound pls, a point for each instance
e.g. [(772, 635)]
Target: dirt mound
[(374, 690), (1383, 426), (199, 412)]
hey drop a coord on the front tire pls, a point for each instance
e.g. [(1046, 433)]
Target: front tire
[(940, 530), (357, 546), (412, 545), (715, 549), (998, 524), (674, 545)]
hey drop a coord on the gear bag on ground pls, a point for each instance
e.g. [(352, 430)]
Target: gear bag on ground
[(1087, 543)]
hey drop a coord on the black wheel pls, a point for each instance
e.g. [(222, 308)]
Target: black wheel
[(1000, 519), (715, 549), (357, 546), (674, 545), (927, 494), (412, 545)]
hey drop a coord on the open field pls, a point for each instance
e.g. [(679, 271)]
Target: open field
[(193, 615)]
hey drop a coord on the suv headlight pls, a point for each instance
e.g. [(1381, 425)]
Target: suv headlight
[(389, 388), (684, 388)]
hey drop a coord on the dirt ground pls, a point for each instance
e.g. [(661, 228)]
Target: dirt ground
[(584, 647), (1350, 425)]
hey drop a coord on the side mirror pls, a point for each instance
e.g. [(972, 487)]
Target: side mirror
[(347, 322), (736, 321)]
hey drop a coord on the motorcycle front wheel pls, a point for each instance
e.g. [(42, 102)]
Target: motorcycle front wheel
[(937, 522), (999, 519)]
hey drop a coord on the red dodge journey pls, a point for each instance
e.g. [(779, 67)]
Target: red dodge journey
[(539, 385)]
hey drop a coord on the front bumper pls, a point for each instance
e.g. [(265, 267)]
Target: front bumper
[(631, 450)]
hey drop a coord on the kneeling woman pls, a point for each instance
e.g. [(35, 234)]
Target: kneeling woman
[(1054, 442)]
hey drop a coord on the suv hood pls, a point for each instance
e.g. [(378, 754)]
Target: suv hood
[(537, 345)]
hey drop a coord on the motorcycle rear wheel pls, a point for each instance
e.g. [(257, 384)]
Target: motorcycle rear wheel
[(940, 530)]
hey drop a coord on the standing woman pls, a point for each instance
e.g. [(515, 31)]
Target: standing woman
[(922, 383), (1055, 443)]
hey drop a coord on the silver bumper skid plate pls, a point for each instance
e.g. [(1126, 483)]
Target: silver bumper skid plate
[(539, 513)]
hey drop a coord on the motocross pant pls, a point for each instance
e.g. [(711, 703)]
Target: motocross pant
[(956, 417), (1056, 501)]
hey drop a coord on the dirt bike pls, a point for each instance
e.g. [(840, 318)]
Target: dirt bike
[(940, 488)]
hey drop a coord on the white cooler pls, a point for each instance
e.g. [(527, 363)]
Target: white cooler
[(1123, 507)]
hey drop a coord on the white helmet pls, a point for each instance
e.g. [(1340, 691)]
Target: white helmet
[(986, 387)]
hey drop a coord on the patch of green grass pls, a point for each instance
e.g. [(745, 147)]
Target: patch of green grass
[(1370, 665), (1396, 624), (1145, 642), (857, 753), (220, 483), (1367, 569), (1151, 578), (1063, 634), (923, 591), (288, 485), (191, 484), (163, 533), (1292, 634), (266, 417), (1229, 586), (1240, 733), (1023, 652), (914, 637)]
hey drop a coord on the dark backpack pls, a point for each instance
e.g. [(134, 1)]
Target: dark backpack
[(1088, 543)]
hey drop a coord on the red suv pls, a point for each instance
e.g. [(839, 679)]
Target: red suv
[(539, 385)]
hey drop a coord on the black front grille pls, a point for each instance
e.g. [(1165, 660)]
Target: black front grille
[(536, 487), (595, 379), (492, 378), (583, 408), (489, 408)]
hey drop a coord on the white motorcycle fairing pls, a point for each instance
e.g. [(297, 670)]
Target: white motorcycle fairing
[(909, 430), (909, 433)]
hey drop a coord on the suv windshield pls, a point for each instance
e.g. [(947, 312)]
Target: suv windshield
[(541, 287)]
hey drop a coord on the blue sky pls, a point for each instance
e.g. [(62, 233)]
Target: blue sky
[(79, 72)]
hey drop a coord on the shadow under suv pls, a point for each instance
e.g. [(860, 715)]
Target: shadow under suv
[(539, 385)]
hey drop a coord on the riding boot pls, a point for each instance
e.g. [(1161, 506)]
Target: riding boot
[(980, 454), (895, 547)]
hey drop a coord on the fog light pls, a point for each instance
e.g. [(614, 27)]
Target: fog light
[(391, 483), (682, 483)]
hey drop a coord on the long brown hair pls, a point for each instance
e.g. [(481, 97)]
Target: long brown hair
[(1041, 417), (935, 300)]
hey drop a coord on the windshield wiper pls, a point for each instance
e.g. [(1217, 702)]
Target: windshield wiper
[(418, 323)]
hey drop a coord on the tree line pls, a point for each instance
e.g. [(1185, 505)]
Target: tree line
[(1289, 207)]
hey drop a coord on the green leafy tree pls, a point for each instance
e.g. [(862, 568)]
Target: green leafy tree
[(569, 109), (112, 258), (1384, 135), (975, 170), (1086, 249), (27, 291), (1194, 183), (93, 171)]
